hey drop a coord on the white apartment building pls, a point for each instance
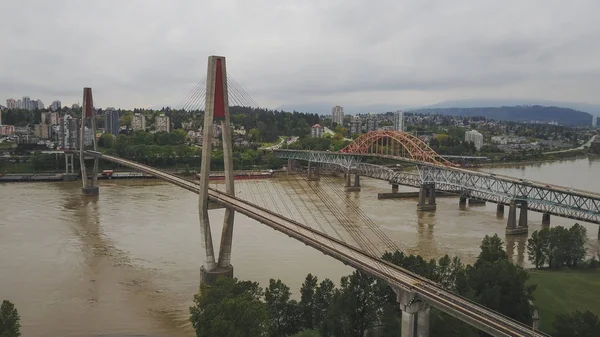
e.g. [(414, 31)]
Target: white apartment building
[(475, 137), (356, 125), (138, 122), (399, 120), (162, 123), (337, 115)]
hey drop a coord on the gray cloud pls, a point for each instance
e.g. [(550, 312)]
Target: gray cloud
[(353, 52)]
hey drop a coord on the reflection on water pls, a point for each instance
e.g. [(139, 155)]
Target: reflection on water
[(127, 262)]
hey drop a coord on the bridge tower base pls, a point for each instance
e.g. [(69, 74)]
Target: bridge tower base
[(209, 277), (291, 166), (511, 226), (394, 188), (427, 197), (88, 117), (415, 314)]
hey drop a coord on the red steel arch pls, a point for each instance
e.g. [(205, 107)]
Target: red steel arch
[(395, 144)]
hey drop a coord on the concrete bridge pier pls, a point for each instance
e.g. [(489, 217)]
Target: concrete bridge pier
[(427, 197), (476, 202), (314, 173), (511, 226), (291, 166), (69, 164), (348, 185), (415, 314), (545, 219), (394, 188), (462, 201), (500, 210)]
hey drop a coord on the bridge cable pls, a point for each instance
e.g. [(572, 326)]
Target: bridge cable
[(365, 218)]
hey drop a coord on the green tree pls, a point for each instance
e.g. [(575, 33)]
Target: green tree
[(324, 295), (498, 284), (229, 308), (492, 250), (281, 312), (538, 247), (577, 324), (307, 301), (10, 325), (358, 302), (576, 246)]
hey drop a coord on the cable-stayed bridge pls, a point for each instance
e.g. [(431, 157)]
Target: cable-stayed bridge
[(415, 295)]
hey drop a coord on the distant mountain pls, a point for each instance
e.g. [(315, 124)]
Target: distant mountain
[(592, 109), (522, 113), (325, 108)]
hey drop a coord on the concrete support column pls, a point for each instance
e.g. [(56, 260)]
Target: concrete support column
[(462, 201), (394, 188), (523, 215), (291, 166), (427, 197), (314, 173), (476, 202), (546, 219), (415, 314), (349, 186), (511, 224), (500, 210), (69, 164)]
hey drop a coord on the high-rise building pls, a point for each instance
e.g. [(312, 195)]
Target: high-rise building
[(399, 120), (372, 122), (356, 125), (19, 104), (138, 122), (11, 104), (475, 137), (162, 123), (56, 105), (111, 122), (594, 121), (26, 103), (38, 105), (68, 133), (337, 115), (43, 131), (317, 131)]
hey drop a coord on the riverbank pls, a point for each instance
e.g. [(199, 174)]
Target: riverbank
[(564, 291), (536, 161)]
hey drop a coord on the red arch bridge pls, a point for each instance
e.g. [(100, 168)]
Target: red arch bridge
[(434, 173)]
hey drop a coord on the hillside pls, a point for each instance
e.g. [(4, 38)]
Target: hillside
[(523, 113)]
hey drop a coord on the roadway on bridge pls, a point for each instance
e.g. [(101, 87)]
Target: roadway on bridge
[(464, 309)]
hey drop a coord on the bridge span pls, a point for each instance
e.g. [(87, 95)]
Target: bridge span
[(415, 293), (503, 190)]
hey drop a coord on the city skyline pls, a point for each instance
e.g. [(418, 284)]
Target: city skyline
[(474, 50)]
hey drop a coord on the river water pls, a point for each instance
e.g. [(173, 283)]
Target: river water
[(127, 262)]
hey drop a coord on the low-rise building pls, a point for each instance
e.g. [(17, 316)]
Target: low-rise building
[(7, 130), (317, 131)]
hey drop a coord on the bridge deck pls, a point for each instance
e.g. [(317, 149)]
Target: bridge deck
[(470, 312)]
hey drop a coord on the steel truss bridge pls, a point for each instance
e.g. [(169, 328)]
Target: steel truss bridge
[(545, 198), (420, 288)]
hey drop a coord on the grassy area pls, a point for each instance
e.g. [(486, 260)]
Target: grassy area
[(565, 291)]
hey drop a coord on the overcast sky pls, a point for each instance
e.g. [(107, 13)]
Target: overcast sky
[(151, 52)]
